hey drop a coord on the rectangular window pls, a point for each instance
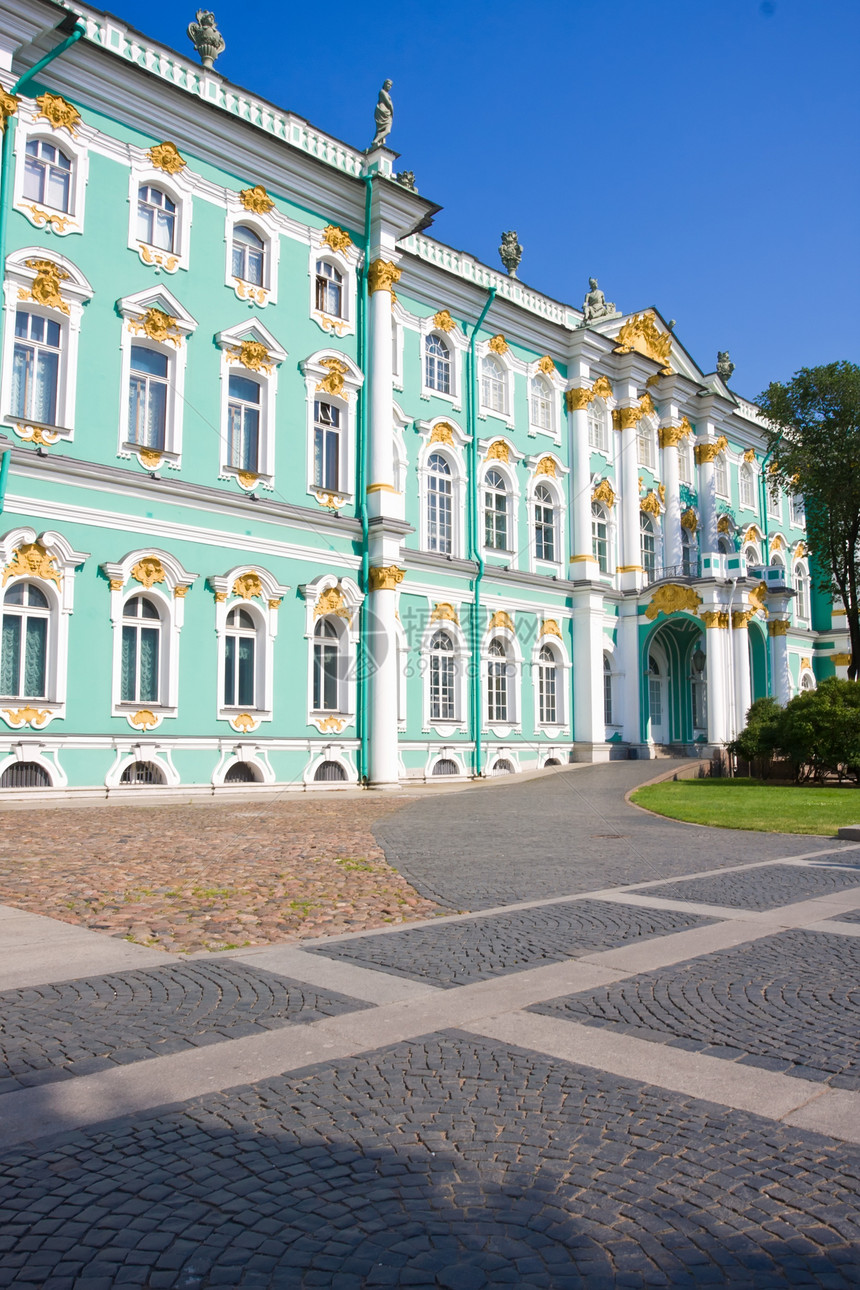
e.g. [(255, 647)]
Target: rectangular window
[(598, 436), (243, 423), (147, 398), (645, 441), (441, 687), (238, 671), (607, 698), (721, 476), (497, 692), (325, 676), (685, 462), (35, 368), (139, 665), (773, 502), (326, 445), (548, 709)]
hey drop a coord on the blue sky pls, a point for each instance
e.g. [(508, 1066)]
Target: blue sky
[(696, 155)]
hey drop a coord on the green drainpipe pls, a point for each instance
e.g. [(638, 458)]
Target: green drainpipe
[(762, 490), (474, 536), (8, 146), (4, 475), (361, 434)]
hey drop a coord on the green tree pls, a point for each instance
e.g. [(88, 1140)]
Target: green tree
[(759, 739), (814, 433)]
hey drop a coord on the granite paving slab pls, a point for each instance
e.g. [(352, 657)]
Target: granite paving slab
[(851, 916), (789, 1003), (764, 888), (444, 1162), (474, 949), (51, 1032)]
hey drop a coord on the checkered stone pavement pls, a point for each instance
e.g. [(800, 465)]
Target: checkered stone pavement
[(453, 954), (852, 916), (789, 1002), (447, 1162), (48, 1032), (765, 888)]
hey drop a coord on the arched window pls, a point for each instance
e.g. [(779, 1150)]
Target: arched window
[(437, 364), (745, 486), (443, 703), (600, 536), (249, 254), (141, 650), (721, 475), (699, 689), (751, 555), (329, 772), (243, 423), (240, 647), (801, 586), (807, 682), (655, 695), (497, 682), (156, 218), (326, 697), (547, 686), (242, 772), (24, 663), (493, 390), (545, 544), (326, 445), (776, 560), (329, 289), (725, 545), (689, 554), (47, 175), (35, 367), (439, 505), (495, 512), (25, 774), (142, 772), (541, 403), (445, 766), (147, 397), (607, 691), (648, 544)]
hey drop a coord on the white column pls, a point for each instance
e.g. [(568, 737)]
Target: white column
[(743, 679), (381, 277), (589, 729), (380, 625), (583, 564), (626, 421), (628, 649), (716, 637), (777, 631), (669, 439)]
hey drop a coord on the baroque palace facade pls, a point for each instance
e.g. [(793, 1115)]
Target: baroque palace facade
[(294, 494)]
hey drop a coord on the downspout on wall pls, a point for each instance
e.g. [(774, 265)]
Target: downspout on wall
[(474, 542), (363, 678)]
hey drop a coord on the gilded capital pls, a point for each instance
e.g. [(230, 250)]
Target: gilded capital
[(382, 276), (778, 627), (715, 618), (741, 618), (626, 418), (578, 399), (385, 577), (8, 107), (670, 436), (841, 660)]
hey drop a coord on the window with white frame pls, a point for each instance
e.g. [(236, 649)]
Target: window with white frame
[(327, 444), (751, 555), (801, 587), (240, 659), (153, 375), (327, 666), (645, 444), (496, 512), (498, 698), (443, 689), (329, 292), (493, 385), (548, 686), (332, 382), (685, 462), (24, 655), (48, 175), (607, 691), (156, 218), (598, 427), (774, 509), (36, 367), (689, 554), (725, 545), (148, 381), (721, 475), (248, 256), (249, 383), (600, 537), (437, 364), (546, 547), (243, 423), (648, 544), (746, 488), (796, 509), (440, 520), (141, 652), (541, 403)]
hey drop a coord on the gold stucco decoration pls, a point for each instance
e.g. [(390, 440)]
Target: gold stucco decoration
[(800, 551), (806, 663), (444, 321), (42, 436), (724, 524), (604, 493), (246, 478), (333, 383), (546, 466), (158, 258), (758, 598), (158, 326), (165, 156), (382, 276), (710, 451), (385, 577), (602, 389), (52, 219), (549, 627), (578, 398), (715, 618), (256, 200), (179, 593), (148, 571), (442, 433), (116, 584), (8, 107), (690, 520), (626, 418), (661, 493), (243, 723), (642, 333), (330, 725), (841, 660), (498, 344), (332, 501), (502, 619), (650, 503), (26, 716), (672, 598), (444, 612), (252, 354), (32, 561), (61, 114), (777, 543), (546, 365), (46, 285), (498, 451), (749, 455), (777, 627), (145, 719), (275, 602), (248, 585), (149, 457), (741, 618), (331, 601), (336, 237)]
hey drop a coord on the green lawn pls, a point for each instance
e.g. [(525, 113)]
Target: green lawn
[(749, 804)]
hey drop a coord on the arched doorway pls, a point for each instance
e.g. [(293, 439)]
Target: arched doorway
[(675, 683)]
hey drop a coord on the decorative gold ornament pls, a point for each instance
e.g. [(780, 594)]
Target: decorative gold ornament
[(252, 354), (165, 156), (243, 723), (498, 344), (642, 333), (672, 598), (546, 466), (158, 326), (689, 520), (841, 660), (669, 436), (713, 618), (601, 389), (148, 571), (256, 200), (8, 107), (502, 619), (116, 584), (32, 561), (758, 599), (46, 285), (332, 725), (650, 503), (248, 585), (220, 597), (149, 457), (444, 321), (160, 260), (275, 602), (245, 291), (777, 543), (43, 436), (27, 716), (546, 365), (382, 276), (442, 433), (498, 451), (578, 398), (385, 577), (806, 663), (710, 451), (61, 114), (800, 551), (144, 719), (626, 418), (653, 380), (741, 618), (640, 482), (749, 455), (604, 493), (331, 601), (724, 524), (777, 627), (333, 383), (332, 501), (179, 593), (646, 405), (52, 219), (444, 612), (337, 238), (549, 627), (661, 493), (246, 478)]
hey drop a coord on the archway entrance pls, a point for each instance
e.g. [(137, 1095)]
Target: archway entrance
[(675, 692)]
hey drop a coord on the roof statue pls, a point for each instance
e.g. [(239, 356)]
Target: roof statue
[(206, 38), (724, 366), (510, 252), (383, 115), (407, 179), (595, 304)]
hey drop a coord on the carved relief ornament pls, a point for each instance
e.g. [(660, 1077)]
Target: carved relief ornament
[(336, 237), (444, 321), (442, 433), (252, 354), (546, 466), (690, 520), (148, 571), (244, 723), (650, 503), (498, 451), (45, 289), (741, 618), (248, 585), (546, 365), (749, 455), (724, 524), (841, 660), (32, 561), (256, 200), (144, 719), (498, 344), (382, 275), (41, 436), (158, 326), (8, 107), (627, 418), (165, 156), (604, 493), (331, 601), (758, 598), (672, 598), (61, 114), (385, 577), (502, 619), (577, 399), (26, 716), (444, 612), (549, 627), (642, 334), (333, 383), (778, 627)]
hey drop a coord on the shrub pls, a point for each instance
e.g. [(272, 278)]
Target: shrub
[(817, 732)]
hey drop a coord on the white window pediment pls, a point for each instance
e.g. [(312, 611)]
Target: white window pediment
[(257, 592), (259, 288), (50, 187), (332, 383), (154, 323), (333, 301), (155, 247), (249, 386)]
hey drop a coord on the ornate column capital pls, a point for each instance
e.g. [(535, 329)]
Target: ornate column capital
[(778, 627), (577, 399), (741, 618), (385, 577), (382, 276), (8, 107), (715, 618)]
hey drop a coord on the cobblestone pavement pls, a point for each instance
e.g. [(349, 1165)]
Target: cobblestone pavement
[(443, 1162), (559, 835), (764, 888), (770, 1004), (852, 917), (80, 1027), (454, 954), (207, 876)]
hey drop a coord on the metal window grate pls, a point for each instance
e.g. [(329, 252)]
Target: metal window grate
[(142, 772), (503, 767), (444, 766), (240, 773), (25, 774), (329, 771)]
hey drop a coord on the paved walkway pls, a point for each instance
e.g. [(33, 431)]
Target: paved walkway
[(650, 1081)]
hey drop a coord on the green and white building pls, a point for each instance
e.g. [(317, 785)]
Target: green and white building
[(294, 494)]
